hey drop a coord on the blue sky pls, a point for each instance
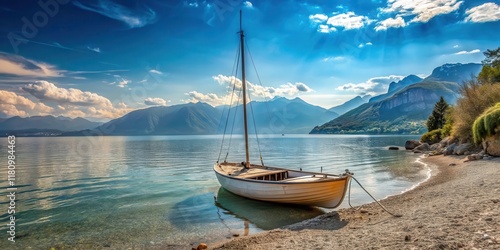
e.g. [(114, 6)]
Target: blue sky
[(100, 59)]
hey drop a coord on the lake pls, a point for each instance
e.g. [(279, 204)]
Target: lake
[(145, 191)]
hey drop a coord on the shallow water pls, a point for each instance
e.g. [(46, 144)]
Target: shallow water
[(159, 190)]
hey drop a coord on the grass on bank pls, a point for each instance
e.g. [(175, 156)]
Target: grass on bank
[(476, 98), (486, 124)]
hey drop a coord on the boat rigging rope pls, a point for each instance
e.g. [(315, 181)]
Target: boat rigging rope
[(235, 66), (234, 121), (260, 83), (349, 196), (255, 129)]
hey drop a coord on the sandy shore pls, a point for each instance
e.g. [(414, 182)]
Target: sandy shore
[(458, 207)]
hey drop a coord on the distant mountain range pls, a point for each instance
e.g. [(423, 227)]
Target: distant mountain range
[(351, 104), (455, 72), (191, 118), (404, 110), (42, 125), (279, 115), (396, 86)]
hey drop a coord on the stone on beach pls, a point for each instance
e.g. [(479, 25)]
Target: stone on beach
[(474, 157), (393, 148), (202, 246), (462, 148), (411, 144), (491, 145), (422, 147), (449, 150), (436, 146)]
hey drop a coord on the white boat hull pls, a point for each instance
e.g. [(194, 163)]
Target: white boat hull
[(303, 188)]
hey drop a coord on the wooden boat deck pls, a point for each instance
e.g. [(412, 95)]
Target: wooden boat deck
[(264, 173), (307, 178), (252, 173)]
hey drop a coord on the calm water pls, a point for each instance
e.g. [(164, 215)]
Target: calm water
[(145, 191)]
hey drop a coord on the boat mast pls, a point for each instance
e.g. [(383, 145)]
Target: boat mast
[(244, 83)]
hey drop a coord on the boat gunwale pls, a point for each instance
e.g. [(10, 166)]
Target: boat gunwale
[(339, 177)]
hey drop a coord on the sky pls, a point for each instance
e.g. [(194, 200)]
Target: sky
[(100, 59)]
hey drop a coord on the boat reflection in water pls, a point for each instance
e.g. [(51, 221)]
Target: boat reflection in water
[(264, 215)]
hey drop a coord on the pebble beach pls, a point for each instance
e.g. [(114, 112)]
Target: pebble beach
[(458, 207)]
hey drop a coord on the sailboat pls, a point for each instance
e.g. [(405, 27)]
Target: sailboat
[(274, 184)]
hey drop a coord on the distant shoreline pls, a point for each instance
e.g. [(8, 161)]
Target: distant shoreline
[(59, 133), (458, 207)]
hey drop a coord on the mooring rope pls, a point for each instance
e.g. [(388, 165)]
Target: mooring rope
[(349, 196)]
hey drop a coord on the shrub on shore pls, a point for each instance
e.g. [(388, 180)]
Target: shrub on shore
[(448, 125), (432, 137), (476, 98), (486, 124)]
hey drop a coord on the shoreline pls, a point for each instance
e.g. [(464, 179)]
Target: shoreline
[(458, 206)]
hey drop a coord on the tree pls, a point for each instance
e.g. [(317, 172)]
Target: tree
[(490, 73), (437, 119), (492, 57)]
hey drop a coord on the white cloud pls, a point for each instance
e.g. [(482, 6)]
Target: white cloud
[(133, 18), (98, 50), (373, 86), (421, 10), (120, 82), (248, 4), (44, 90), (348, 21), (155, 101), (156, 72), (390, 23), (20, 66), (361, 45), (318, 18), (76, 102), (12, 104), (464, 52), (210, 98), (456, 46), (488, 12), (256, 91), (324, 28), (288, 89), (193, 4), (333, 58)]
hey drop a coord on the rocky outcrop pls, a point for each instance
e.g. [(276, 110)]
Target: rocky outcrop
[(437, 147), (411, 144), (491, 145), (405, 82), (422, 147), (462, 149), (449, 150)]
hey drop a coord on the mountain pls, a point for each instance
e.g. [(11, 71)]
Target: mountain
[(49, 122), (279, 115), (396, 86), (191, 118), (403, 113), (407, 109), (455, 72), (405, 82), (282, 115), (351, 104)]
